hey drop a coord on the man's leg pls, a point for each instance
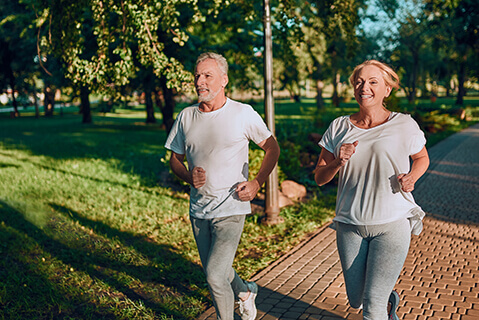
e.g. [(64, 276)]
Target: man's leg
[(217, 242)]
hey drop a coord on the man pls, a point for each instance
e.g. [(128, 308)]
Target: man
[(214, 136)]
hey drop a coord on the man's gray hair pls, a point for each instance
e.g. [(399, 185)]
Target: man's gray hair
[(220, 60)]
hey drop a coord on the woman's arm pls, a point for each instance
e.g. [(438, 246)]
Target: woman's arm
[(328, 165), (420, 163)]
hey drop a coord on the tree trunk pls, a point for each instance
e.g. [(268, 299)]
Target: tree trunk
[(413, 79), (335, 97), (150, 110), (319, 94), (148, 85), (169, 106), (35, 103), (7, 62), (317, 77), (49, 101), (14, 101), (85, 108), (461, 78)]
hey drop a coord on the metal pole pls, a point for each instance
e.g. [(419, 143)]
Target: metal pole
[(271, 201)]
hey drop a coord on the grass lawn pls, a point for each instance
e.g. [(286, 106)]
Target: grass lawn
[(93, 225)]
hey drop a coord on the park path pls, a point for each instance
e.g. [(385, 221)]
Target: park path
[(440, 279)]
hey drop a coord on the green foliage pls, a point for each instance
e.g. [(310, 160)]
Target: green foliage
[(255, 159), (439, 123), (393, 102), (99, 41)]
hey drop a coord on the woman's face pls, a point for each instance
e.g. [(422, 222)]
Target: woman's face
[(370, 89)]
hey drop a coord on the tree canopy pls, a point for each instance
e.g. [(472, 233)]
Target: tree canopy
[(116, 46)]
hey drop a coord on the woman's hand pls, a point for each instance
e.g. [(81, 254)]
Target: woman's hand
[(328, 165), (346, 151), (407, 182), (420, 162)]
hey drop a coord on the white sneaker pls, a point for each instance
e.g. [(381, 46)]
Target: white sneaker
[(247, 308)]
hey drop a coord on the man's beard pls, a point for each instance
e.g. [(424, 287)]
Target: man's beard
[(209, 96)]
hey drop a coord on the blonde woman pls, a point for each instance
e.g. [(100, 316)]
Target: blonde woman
[(375, 210)]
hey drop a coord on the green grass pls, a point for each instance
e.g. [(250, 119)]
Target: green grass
[(92, 229), (94, 226)]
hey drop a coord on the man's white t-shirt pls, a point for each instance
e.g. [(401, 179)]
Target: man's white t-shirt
[(217, 141), (368, 191)]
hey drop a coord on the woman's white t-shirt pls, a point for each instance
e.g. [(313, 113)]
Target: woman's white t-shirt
[(368, 191), (217, 141)]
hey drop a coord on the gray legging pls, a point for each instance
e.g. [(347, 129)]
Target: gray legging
[(372, 258), (217, 241)]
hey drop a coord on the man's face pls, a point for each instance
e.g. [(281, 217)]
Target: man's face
[(209, 81)]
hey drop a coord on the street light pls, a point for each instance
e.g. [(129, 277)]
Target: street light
[(271, 198)]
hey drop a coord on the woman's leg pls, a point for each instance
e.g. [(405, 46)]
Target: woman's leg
[(388, 249), (353, 252)]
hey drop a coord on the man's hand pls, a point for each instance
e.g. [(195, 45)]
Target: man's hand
[(346, 151), (198, 177), (247, 190), (406, 182)]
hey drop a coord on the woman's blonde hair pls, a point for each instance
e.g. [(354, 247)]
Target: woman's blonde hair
[(389, 75)]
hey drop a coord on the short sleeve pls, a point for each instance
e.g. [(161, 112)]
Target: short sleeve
[(418, 139), (327, 141), (256, 129), (176, 140)]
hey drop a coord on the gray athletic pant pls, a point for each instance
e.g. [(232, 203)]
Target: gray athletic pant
[(217, 241), (372, 258)]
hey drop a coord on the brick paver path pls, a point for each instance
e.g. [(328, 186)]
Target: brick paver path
[(440, 279)]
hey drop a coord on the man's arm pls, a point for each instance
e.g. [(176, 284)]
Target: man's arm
[(195, 177), (247, 190)]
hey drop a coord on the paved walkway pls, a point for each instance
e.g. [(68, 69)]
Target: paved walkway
[(440, 279)]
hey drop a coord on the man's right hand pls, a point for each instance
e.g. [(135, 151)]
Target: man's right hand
[(198, 177)]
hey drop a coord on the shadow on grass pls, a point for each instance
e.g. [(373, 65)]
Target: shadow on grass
[(137, 147), (47, 276), (174, 266), (166, 178)]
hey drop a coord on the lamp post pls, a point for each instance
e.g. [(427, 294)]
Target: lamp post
[(272, 199)]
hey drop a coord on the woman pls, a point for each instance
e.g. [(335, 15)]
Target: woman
[(375, 210)]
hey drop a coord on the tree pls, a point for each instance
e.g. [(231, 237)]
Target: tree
[(98, 41), (328, 35), (17, 50), (456, 24), (412, 36)]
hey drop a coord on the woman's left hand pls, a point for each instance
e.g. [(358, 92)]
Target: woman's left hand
[(407, 182), (420, 162)]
